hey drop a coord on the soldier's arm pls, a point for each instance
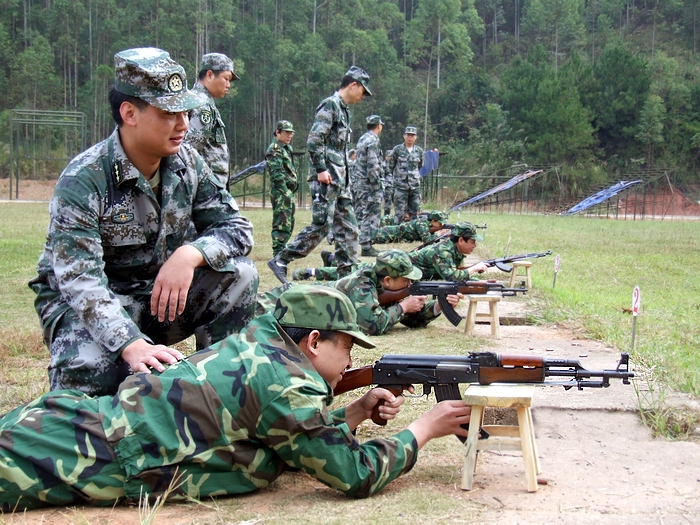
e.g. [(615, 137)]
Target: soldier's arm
[(275, 166), (197, 133), (320, 129), (374, 164)]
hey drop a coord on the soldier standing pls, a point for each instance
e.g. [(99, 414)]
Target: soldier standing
[(331, 208), (369, 175), (207, 130), (145, 246), (387, 187), (405, 162), (283, 184)]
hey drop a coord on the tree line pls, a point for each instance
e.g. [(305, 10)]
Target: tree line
[(599, 86)]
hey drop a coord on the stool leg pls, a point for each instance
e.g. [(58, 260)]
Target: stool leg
[(526, 434), (471, 318), (470, 459), (512, 278), (535, 452), (528, 278), (495, 321)]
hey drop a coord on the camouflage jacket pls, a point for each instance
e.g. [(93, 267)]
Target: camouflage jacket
[(362, 287), (415, 230), (368, 165), (109, 234), (440, 262), (328, 138), (405, 165), (207, 134), (235, 415), (280, 166)]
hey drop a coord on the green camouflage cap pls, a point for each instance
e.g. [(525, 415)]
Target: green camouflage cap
[(319, 308), (359, 75), (396, 263), (218, 62), (437, 216), (151, 75), (284, 125), (466, 231), (374, 120), (410, 130)]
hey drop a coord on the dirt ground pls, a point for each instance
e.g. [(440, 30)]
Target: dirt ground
[(598, 462)]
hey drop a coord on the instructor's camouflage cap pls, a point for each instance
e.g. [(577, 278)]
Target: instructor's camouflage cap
[(437, 216), (284, 125), (150, 74), (374, 120), (218, 62), (319, 308), (410, 130), (359, 75), (396, 263), (466, 231)]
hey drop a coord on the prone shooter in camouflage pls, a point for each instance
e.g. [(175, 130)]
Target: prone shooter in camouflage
[(423, 229), (145, 246), (283, 184), (227, 420), (444, 260), (331, 207), (207, 133), (391, 271)]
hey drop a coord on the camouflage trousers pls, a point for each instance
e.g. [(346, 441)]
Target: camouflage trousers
[(387, 234), (283, 207), (54, 451), (218, 304), (406, 201), (368, 209), (331, 210), (388, 196)]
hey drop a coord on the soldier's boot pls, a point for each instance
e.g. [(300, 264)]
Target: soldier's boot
[(369, 252), (279, 268), (303, 274), (327, 257)]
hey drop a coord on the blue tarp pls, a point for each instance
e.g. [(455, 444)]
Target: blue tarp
[(430, 162), (601, 196), (497, 189)]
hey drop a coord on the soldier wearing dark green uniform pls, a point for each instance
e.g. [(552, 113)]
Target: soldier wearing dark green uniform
[(423, 229), (331, 208), (444, 261), (405, 163), (227, 420), (145, 246), (207, 131), (283, 184)]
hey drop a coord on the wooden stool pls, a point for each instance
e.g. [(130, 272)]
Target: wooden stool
[(514, 274), (491, 317), (502, 437)]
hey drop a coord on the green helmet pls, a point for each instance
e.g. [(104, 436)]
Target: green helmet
[(437, 216), (466, 230), (396, 263), (319, 308)]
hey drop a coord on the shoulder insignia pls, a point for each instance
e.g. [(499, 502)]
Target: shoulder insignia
[(117, 170), (206, 116), (122, 218)]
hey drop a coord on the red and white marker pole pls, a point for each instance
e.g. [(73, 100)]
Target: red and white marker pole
[(636, 303)]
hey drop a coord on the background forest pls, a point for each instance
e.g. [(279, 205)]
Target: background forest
[(599, 86)]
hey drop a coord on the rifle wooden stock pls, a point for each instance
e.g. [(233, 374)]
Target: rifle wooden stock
[(471, 287), (355, 378)]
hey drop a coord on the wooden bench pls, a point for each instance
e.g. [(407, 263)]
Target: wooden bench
[(517, 265), (491, 317), (502, 437)]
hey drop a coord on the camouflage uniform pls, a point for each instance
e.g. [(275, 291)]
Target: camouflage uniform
[(363, 287), (283, 186), (214, 419), (108, 238), (331, 206), (387, 186), (368, 203), (207, 131), (415, 230), (405, 166), (442, 261)]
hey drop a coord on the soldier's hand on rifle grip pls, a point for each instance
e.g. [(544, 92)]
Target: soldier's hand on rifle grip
[(413, 303), (479, 267), (381, 397)]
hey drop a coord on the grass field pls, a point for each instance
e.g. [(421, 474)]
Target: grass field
[(601, 262)]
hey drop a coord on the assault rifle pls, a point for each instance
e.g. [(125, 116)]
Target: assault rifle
[(444, 374), (501, 263), (441, 289)]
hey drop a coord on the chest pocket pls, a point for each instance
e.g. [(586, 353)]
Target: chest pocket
[(122, 230), (219, 131)]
